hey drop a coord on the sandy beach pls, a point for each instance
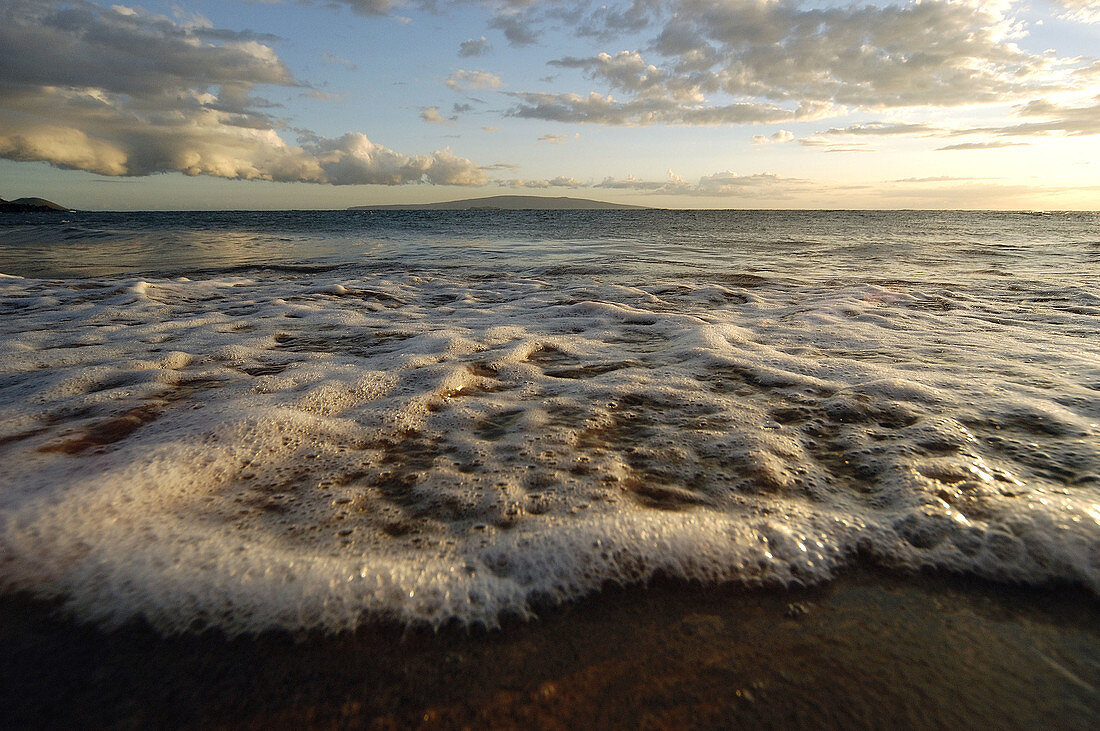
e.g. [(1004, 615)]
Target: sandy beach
[(866, 651)]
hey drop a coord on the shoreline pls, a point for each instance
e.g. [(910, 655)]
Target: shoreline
[(867, 649)]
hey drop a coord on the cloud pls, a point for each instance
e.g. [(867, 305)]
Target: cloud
[(599, 109), (1081, 11), (123, 92), (710, 57), (937, 52), (755, 185), (936, 179), (710, 62), (331, 58), (521, 21), (354, 160), (992, 145), (1051, 119), (729, 188), (369, 7), (118, 50), (632, 182), (766, 188), (463, 80), (474, 47), (322, 96), (515, 29), (432, 115), (884, 129), (1062, 119), (628, 71), (722, 184), (609, 21), (559, 182), (556, 139), (781, 136)]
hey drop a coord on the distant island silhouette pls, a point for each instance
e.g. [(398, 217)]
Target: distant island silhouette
[(505, 203), (31, 205)]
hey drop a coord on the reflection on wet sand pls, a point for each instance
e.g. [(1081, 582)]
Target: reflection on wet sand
[(867, 651)]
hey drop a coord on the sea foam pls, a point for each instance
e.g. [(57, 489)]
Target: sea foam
[(309, 451)]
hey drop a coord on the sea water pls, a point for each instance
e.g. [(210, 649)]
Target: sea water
[(308, 420)]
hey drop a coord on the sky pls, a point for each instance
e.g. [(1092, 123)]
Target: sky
[(274, 104)]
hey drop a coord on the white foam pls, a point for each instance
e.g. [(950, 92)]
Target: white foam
[(303, 453)]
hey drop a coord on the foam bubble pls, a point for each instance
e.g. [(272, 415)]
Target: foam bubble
[(304, 452)]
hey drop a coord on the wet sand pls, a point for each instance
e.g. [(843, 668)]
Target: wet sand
[(869, 650)]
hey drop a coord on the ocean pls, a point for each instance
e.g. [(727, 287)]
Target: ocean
[(310, 420)]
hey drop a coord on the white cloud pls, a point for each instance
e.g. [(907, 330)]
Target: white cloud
[(1048, 119), (559, 182), (124, 92), (721, 184), (463, 80), (432, 115), (937, 179), (1081, 11), (780, 137), (991, 145), (882, 129), (755, 185), (1056, 119), (556, 139), (354, 160), (632, 182), (321, 96)]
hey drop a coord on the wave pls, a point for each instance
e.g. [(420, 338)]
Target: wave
[(305, 449)]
